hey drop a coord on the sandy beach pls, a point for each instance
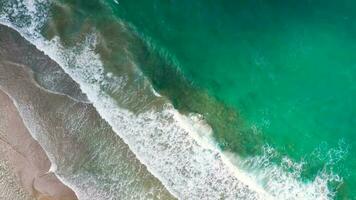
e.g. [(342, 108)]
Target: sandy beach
[(26, 158), (80, 144), (25, 165)]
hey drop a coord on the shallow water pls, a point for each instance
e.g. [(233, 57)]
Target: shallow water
[(85, 153)]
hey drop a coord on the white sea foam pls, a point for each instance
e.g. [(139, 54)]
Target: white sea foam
[(283, 181), (164, 142), (175, 148)]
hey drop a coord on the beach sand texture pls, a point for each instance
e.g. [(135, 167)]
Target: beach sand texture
[(26, 159), (77, 141)]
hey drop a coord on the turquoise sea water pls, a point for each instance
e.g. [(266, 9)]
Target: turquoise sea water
[(287, 68)]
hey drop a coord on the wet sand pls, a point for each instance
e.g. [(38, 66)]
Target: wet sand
[(47, 73), (25, 165), (91, 158), (26, 159)]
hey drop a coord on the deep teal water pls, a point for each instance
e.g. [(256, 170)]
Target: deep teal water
[(281, 73)]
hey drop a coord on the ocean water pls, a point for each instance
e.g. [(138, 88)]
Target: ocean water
[(220, 100), (287, 68)]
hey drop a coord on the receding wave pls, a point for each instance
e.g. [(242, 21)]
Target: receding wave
[(84, 151), (177, 149)]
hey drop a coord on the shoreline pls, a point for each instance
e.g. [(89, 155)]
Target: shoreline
[(240, 188), (99, 107), (26, 158), (232, 185), (60, 121)]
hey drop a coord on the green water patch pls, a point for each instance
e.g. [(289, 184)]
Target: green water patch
[(118, 48), (284, 68), (73, 23), (228, 126)]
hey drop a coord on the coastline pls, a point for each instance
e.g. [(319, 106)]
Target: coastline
[(233, 186), (77, 77), (28, 166), (68, 128), (45, 102), (26, 158)]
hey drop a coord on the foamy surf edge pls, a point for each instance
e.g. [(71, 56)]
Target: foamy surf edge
[(104, 105), (123, 121), (53, 166)]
